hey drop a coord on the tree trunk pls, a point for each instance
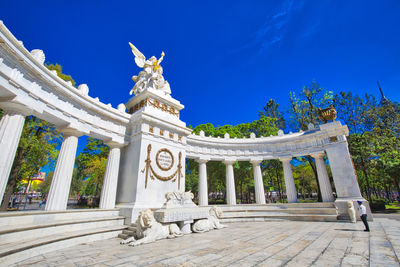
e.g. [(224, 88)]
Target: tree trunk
[(366, 181), (7, 195), (280, 189), (397, 184), (314, 168)]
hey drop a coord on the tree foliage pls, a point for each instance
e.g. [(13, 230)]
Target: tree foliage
[(90, 168), (57, 67)]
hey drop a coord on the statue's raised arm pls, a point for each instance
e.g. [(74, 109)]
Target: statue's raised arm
[(152, 74), (140, 59)]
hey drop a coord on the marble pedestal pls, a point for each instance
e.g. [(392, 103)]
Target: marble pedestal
[(343, 210), (183, 216), (153, 163)]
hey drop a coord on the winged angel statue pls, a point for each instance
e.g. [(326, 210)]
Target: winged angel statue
[(151, 75)]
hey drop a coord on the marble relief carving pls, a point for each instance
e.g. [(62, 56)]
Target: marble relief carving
[(156, 104), (150, 172)]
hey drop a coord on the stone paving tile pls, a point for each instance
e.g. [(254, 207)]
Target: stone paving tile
[(247, 244)]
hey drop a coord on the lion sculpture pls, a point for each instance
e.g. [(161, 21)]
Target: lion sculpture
[(149, 230), (212, 222)]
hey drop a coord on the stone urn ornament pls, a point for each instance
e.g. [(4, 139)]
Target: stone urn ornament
[(327, 114)]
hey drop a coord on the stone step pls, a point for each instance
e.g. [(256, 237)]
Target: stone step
[(320, 205), (38, 217), (280, 211), (251, 219), (14, 233), (18, 251), (290, 217)]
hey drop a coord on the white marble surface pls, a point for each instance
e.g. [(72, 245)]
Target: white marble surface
[(28, 87), (11, 126), (110, 182), (230, 183), (289, 182), (323, 178), (203, 190), (61, 182), (258, 182)]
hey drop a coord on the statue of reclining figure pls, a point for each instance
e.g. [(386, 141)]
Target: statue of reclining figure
[(149, 230), (212, 222)]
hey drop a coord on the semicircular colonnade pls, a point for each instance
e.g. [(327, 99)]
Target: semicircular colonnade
[(27, 87)]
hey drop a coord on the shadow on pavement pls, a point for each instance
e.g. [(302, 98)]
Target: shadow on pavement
[(352, 230)]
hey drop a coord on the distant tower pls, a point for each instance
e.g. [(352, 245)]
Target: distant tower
[(384, 100)]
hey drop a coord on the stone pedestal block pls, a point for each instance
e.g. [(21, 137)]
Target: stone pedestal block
[(185, 226), (153, 163)]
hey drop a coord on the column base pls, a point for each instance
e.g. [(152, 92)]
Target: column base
[(343, 210)]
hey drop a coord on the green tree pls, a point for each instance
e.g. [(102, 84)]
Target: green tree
[(271, 110), (57, 67), (37, 148), (90, 168), (264, 126), (304, 110)]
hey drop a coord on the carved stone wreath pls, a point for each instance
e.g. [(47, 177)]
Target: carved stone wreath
[(158, 159), (149, 171)]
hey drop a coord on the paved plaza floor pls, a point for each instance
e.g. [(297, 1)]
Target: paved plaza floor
[(281, 243)]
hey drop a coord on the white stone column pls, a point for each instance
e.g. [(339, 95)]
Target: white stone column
[(289, 182), (343, 171), (230, 183), (258, 182), (11, 126), (110, 182), (61, 183), (323, 178), (203, 190)]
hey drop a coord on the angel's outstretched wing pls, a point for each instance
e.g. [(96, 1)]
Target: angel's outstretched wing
[(139, 57)]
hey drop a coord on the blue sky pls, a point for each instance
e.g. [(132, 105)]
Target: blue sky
[(224, 59)]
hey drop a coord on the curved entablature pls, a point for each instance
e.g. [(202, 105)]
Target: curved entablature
[(28, 87), (263, 148)]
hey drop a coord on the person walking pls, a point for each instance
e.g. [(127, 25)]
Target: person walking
[(362, 210)]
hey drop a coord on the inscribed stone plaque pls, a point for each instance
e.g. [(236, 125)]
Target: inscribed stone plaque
[(164, 159)]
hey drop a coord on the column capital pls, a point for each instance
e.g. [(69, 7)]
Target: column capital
[(319, 155), (255, 162), (71, 131), (229, 161), (286, 159), (113, 144), (202, 160), (17, 109)]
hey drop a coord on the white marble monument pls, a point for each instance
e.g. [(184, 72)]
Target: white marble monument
[(153, 163), (149, 143)]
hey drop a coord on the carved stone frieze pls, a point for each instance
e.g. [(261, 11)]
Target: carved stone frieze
[(156, 104)]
